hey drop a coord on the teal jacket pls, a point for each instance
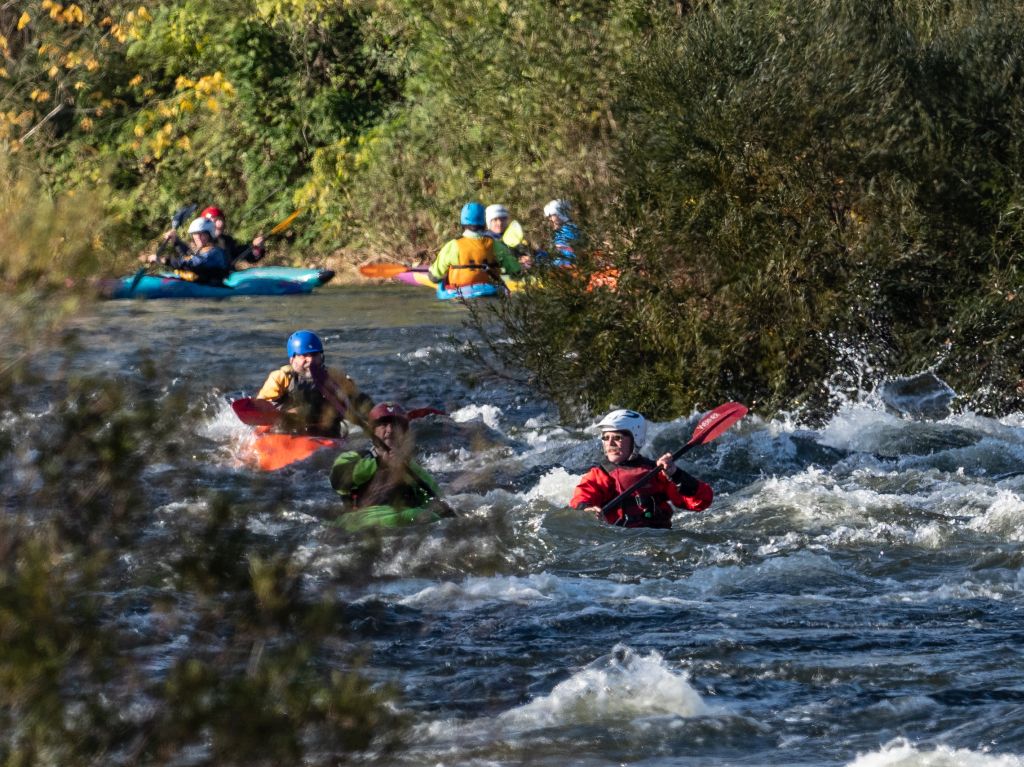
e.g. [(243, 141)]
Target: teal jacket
[(357, 478)]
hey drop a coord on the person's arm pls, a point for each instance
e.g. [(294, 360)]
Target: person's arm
[(275, 388), (593, 491), (508, 262), (350, 473), (683, 489), (252, 252), (448, 256)]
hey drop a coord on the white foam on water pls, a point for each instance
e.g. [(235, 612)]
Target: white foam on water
[(227, 430), (541, 587), (900, 753), (955, 592), (555, 487), (425, 352), (1003, 518), (223, 425), (621, 686), (861, 426), (489, 414)]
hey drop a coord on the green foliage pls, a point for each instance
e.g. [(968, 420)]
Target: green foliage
[(508, 102), (258, 671), (790, 182)]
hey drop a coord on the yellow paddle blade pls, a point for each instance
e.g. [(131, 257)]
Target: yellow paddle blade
[(286, 223), (513, 235), (382, 271)]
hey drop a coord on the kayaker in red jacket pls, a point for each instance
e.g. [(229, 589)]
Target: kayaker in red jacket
[(653, 503)]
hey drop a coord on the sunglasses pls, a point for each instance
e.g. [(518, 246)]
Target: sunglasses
[(612, 437)]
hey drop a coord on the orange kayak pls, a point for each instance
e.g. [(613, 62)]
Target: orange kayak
[(275, 451)]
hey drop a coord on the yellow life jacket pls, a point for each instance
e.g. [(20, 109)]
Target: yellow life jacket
[(476, 262)]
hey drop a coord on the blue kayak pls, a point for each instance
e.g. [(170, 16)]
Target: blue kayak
[(291, 273), (259, 281), (479, 290)]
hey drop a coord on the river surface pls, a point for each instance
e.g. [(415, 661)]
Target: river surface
[(853, 596)]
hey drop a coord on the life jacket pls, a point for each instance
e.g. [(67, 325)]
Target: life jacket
[(309, 410), (648, 505), (405, 493), (476, 262), (208, 266)]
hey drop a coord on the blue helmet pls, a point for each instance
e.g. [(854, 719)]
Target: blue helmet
[(473, 215), (304, 342)]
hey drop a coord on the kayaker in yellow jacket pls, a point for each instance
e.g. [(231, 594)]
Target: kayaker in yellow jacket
[(475, 257), (313, 398)]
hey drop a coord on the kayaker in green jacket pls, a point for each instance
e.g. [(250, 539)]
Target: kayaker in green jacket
[(385, 474), (474, 258)]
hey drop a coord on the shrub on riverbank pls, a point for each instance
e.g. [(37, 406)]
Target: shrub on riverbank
[(791, 182)]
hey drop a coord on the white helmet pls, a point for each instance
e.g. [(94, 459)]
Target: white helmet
[(202, 224), (626, 420), (558, 208), (495, 211)]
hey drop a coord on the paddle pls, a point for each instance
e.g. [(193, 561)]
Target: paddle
[(711, 426), (261, 412), (513, 235), (382, 271), (177, 219), (284, 224), (278, 228)]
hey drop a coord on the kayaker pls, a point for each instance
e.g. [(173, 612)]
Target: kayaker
[(385, 474), (651, 505), (565, 235), (203, 262), (234, 250), (473, 258), (314, 399), (498, 228)]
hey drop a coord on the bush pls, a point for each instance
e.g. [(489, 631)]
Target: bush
[(791, 181)]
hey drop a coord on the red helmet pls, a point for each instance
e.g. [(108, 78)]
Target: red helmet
[(389, 411), (213, 212)]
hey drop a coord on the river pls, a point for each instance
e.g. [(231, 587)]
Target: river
[(852, 597)]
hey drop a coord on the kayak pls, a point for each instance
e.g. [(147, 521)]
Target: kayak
[(317, 277), (480, 290), (166, 285), (384, 516), (419, 276), (275, 451)]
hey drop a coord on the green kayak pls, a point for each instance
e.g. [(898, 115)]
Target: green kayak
[(385, 516)]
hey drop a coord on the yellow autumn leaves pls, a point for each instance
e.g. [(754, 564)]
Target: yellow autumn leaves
[(207, 91)]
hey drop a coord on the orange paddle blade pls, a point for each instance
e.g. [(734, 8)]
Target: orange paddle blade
[(286, 223), (275, 451), (382, 271)]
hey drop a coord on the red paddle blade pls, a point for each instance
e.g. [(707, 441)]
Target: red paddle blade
[(422, 412), (716, 422), (256, 412), (382, 271)]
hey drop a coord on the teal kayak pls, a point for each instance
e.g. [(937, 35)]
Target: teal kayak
[(259, 281), (317, 277), (470, 291), (385, 516)]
